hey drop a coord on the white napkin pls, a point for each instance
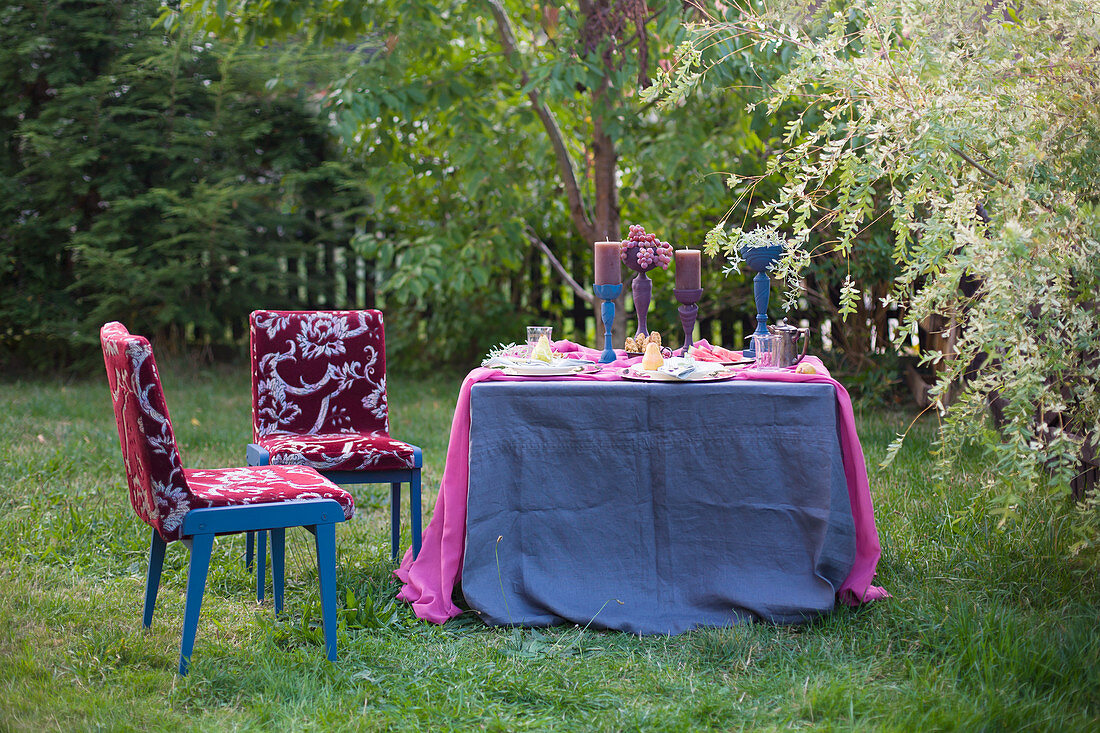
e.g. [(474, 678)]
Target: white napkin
[(687, 369)]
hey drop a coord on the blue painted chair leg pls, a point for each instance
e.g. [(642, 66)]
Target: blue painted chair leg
[(249, 549), (325, 537), (201, 546), (152, 578), (395, 519), (278, 544), (414, 510), (261, 565)]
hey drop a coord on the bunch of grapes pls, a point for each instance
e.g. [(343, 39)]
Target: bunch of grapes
[(651, 251)]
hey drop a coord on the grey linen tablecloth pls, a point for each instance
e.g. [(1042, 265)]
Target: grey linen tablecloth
[(654, 508)]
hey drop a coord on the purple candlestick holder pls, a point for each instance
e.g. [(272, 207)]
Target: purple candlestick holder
[(642, 289), (689, 311), (607, 293)]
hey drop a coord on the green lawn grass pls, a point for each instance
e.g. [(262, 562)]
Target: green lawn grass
[(990, 627)]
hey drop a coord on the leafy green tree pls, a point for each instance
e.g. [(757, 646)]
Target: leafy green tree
[(979, 123), (501, 132), (152, 180)]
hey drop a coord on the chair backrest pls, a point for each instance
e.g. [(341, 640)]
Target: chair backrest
[(318, 372), (154, 472)]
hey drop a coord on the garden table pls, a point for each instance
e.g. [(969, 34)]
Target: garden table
[(648, 508)]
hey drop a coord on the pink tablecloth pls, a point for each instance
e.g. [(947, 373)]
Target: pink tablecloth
[(429, 580)]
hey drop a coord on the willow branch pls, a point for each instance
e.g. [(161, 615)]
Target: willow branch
[(1045, 207), (583, 294), (979, 166), (577, 209)]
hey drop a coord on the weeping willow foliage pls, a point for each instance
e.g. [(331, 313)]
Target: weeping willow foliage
[(981, 121)]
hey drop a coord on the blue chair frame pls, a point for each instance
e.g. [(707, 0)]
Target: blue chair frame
[(258, 456), (200, 526)]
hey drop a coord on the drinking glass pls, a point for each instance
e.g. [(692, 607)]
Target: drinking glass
[(533, 335), (767, 348)]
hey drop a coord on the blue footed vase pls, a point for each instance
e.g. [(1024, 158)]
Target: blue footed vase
[(760, 259)]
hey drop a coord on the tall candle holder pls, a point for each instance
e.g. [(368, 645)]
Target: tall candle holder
[(760, 259), (607, 293), (643, 252), (642, 289), (689, 311)]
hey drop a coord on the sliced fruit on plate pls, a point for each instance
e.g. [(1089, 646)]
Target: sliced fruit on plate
[(701, 354), (715, 353)]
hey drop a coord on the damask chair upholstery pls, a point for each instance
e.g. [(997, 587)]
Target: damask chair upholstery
[(319, 400), (195, 505)]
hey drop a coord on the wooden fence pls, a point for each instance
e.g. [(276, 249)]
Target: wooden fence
[(339, 278)]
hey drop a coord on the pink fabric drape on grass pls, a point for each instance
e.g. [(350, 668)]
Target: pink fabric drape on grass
[(429, 580)]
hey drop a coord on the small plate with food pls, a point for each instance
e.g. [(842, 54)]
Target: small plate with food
[(677, 369)]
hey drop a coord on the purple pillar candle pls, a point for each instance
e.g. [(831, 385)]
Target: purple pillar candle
[(688, 265), (607, 264)]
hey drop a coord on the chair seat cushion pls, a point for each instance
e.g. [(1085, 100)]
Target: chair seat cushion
[(340, 451), (218, 487)]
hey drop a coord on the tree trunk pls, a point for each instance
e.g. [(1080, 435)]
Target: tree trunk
[(604, 164), (937, 334), (602, 220)]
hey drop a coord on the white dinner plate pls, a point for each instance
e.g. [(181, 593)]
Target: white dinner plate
[(646, 375), (554, 369)]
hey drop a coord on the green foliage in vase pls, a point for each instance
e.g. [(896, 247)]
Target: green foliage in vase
[(735, 242), (979, 123)]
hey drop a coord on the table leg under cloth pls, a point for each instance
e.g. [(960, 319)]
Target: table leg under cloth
[(655, 509)]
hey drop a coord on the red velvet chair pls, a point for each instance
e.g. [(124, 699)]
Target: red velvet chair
[(319, 400), (194, 505)]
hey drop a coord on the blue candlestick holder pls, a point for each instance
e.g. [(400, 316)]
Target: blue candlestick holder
[(607, 293), (760, 259)]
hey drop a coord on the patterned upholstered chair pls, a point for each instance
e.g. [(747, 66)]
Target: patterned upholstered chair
[(194, 505), (319, 400)]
